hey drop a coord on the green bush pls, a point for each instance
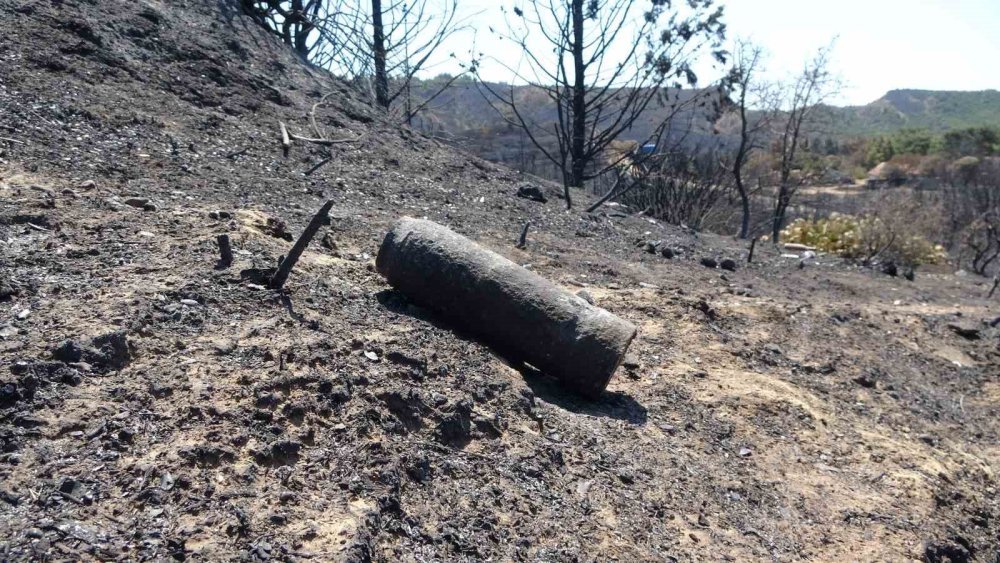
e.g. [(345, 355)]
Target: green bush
[(864, 238)]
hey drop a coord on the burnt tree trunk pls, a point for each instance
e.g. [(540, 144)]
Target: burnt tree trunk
[(378, 50), (578, 160)]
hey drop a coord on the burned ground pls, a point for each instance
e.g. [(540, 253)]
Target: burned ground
[(154, 405)]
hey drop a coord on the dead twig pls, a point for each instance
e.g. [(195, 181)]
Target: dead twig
[(15, 141), (286, 265), (240, 152), (996, 283), (312, 116), (319, 165)]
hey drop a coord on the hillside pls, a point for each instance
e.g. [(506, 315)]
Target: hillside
[(463, 116), (937, 111), (154, 405), (462, 113)]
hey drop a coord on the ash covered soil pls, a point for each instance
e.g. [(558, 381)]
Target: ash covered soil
[(155, 406)]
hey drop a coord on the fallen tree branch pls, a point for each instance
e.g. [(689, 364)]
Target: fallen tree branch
[(312, 116), (612, 194), (286, 265)]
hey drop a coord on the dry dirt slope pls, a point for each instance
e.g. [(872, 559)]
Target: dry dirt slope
[(770, 413)]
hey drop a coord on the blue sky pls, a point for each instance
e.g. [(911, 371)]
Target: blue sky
[(880, 44)]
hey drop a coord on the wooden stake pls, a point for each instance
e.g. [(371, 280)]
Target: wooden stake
[(225, 251), (523, 240), (753, 244), (996, 282), (286, 142), (285, 268)]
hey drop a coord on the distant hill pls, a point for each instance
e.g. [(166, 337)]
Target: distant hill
[(463, 116), (918, 109)]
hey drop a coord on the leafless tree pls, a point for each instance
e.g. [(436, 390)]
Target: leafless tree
[(971, 195), (602, 64), (381, 46), (291, 20), (755, 105), (815, 85)]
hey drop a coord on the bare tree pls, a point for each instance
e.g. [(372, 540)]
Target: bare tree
[(755, 109), (381, 46), (291, 20), (971, 195), (811, 88), (598, 99)]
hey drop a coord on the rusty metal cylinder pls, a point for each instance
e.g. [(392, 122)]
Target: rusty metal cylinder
[(518, 313)]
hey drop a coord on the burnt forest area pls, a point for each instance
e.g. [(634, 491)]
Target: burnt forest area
[(156, 404)]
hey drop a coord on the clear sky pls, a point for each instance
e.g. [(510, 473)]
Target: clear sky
[(880, 44)]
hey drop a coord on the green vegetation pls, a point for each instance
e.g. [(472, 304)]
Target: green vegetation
[(864, 238), (932, 111), (973, 141)]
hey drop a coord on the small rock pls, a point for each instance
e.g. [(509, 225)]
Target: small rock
[(189, 302), (139, 202), (8, 394), (650, 247), (728, 264), (87, 185), (866, 381), (371, 356), (709, 263), (25, 313), (631, 361), (966, 330), (667, 252), (745, 452), (7, 332), (582, 294), (532, 192), (149, 207), (68, 352), (954, 551), (455, 428), (329, 242)]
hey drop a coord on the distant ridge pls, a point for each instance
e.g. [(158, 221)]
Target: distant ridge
[(918, 109)]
